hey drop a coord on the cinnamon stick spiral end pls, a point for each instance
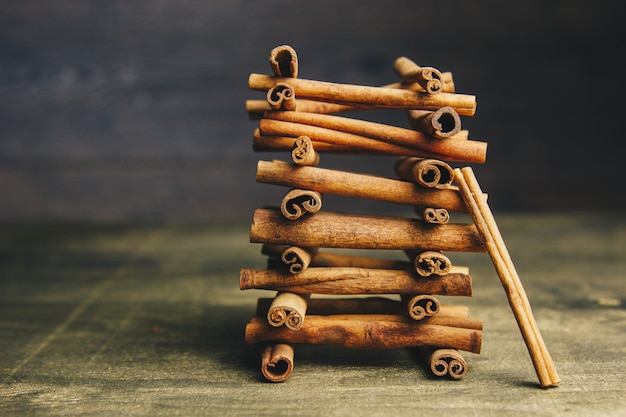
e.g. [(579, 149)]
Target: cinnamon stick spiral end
[(423, 305), (297, 203), (282, 97), (432, 263), (431, 173), (303, 152), (441, 124), (435, 216), (288, 309), (296, 258), (284, 61), (448, 362), (277, 362)]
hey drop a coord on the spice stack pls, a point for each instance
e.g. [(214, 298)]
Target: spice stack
[(375, 303)]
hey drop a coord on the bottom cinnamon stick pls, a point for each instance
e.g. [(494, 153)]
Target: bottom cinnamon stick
[(277, 362)]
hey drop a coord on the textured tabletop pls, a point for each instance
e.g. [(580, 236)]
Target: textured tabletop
[(148, 320)]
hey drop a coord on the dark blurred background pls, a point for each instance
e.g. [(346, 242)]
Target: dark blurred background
[(134, 110)]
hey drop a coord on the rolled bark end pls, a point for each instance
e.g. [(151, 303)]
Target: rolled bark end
[(284, 61), (303, 153), (297, 203), (277, 362)]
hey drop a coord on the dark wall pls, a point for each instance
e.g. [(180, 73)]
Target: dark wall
[(123, 110)]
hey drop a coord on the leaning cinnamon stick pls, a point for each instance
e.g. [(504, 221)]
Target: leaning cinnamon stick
[(369, 96), (256, 108), (327, 181), (366, 332), (363, 232), (486, 224), (347, 281), (450, 149), (277, 362)]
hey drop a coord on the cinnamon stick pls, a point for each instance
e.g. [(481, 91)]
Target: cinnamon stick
[(349, 281), (303, 152), (362, 232), (435, 215), (486, 225), (459, 314), (450, 149), (281, 97), (275, 143), (430, 173), (378, 97), (277, 362), (327, 181), (284, 61), (441, 124), (425, 263), (445, 362), (422, 305), (366, 332), (297, 203), (287, 309), (429, 78), (430, 262), (256, 108)]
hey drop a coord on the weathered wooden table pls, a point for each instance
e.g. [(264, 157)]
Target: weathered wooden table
[(148, 320)]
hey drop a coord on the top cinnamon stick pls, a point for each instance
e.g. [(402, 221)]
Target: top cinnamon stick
[(380, 97)]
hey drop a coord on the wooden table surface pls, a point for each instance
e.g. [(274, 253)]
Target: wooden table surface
[(148, 320)]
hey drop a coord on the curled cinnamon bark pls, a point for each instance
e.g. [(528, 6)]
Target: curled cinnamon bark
[(453, 150), (350, 184), (282, 97), (425, 172), (367, 331), (277, 362), (349, 281), (429, 263), (287, 309), (326, 229), (435, 215), (297, 258), (445, 362), (449, 314), (429, 78), (297, 203), (423, 305), (441, 124), (518, 300), (375, 97), (303, 152), (284, 61)]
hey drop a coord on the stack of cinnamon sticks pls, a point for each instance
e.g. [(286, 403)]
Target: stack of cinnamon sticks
[(329, 296)]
